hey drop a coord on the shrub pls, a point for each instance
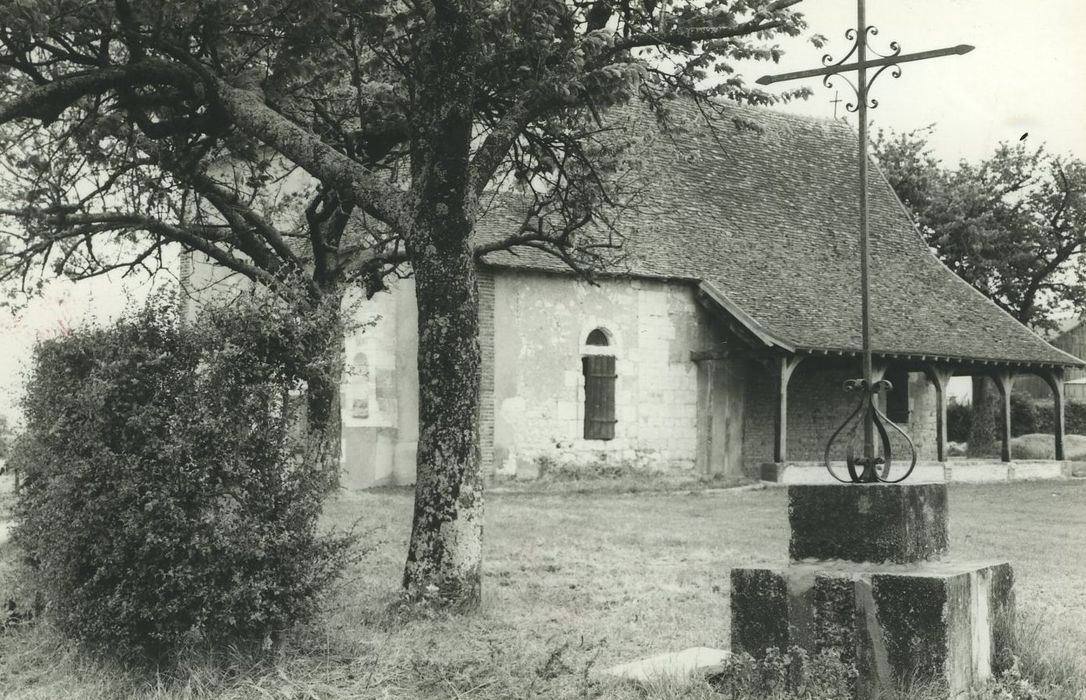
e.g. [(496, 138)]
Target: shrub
[(1074, 417), (778, 675), (167, 499), (1028, 416), (959, 418)]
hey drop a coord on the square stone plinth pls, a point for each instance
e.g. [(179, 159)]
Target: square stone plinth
[(946, 623), (898, 523)]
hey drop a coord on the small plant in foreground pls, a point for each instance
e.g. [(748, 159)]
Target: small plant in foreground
[(169, 499), (781, 676)]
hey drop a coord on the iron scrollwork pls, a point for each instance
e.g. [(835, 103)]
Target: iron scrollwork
[(878, 468), (853, 36)]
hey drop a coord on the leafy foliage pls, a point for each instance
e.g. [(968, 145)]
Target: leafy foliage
[(959, 419), (319, 144), (168, 498), (7, 437), (1013, 225), (253, 133), (1028, 416)]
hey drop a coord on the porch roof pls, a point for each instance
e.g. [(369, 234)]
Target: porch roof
[(761, 208)]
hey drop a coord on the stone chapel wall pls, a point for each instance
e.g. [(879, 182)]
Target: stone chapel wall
[(541, 322), (379, 393)]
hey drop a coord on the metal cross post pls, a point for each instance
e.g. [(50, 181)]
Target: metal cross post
[(862, 87)]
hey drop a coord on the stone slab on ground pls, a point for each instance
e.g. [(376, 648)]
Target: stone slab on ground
[(898, 523), (676, 664), (942, 622)]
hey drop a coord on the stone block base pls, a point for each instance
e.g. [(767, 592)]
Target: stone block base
[(897, 523), (946, 623)]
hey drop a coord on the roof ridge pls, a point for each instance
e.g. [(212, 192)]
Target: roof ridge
[(772, 109)]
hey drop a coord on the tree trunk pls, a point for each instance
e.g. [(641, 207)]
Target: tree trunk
[(444, 558), (323, 417), (323, 424), (985, 433)]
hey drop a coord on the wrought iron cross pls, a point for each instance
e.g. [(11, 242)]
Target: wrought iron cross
[(875, 468)]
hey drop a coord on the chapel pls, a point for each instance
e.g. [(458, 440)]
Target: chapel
[(721, 344)]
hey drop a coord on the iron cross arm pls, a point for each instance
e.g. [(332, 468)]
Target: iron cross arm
[(958, 50)]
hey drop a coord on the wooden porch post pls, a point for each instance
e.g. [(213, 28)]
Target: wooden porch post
[(1004, 380), (786, 366), (1054, 379), (940, 377)]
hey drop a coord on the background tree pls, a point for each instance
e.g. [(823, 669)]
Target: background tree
[(177, 122), (1012, 225), (7, 435)]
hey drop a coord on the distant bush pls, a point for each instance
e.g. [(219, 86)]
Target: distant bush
[(167, 499), (1028, 416), (1074, 417), (959, 419)]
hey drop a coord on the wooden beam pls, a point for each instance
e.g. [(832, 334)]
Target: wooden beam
[(786, 367), (1054, 379), (1004, 380), (940, 377), (703, 355)]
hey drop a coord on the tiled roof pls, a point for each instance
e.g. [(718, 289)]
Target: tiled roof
[(764, 211)]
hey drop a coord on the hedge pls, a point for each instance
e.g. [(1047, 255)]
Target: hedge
[(1027, 416), (167, 499)]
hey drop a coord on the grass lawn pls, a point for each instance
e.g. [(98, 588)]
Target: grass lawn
[(573, 583)]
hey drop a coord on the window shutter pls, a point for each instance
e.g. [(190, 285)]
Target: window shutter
[(599, 397)]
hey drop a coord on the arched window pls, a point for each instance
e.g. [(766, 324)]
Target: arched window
[(599, 389), (597, 337)]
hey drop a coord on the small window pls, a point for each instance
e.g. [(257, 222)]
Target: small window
[(597, 337), (599, 396)]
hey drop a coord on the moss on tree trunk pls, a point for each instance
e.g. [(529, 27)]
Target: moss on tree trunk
[(445, 554), (444, 557)]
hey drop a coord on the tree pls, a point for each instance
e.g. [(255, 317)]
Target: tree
[(176, 122), (6, 438), (1013, 226)]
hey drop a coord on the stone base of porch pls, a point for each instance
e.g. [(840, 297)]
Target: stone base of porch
[(955, 470)]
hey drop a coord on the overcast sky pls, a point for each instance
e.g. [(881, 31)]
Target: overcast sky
[(1024, 76)]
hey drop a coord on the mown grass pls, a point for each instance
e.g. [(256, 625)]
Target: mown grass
[(574, 584)]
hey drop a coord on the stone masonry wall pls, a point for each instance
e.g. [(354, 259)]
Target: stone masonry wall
[(486, 362), (541, 322), (817, 405), (379, 393)]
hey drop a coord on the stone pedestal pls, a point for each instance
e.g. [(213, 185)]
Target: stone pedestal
[(868, 578)]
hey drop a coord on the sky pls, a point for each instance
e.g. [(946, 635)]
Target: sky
[(1023, 77)]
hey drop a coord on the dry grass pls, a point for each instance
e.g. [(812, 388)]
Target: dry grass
[(575, 583)]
